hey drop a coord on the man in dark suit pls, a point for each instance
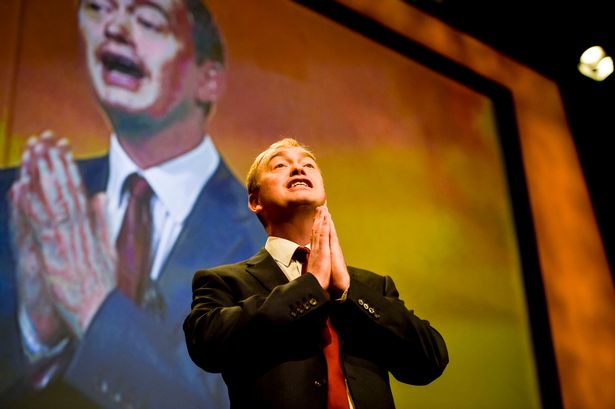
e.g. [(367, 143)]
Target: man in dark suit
[(72, 329), (270, 323)]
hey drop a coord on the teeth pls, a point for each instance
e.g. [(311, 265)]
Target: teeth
[(295, 184), (122, 64)]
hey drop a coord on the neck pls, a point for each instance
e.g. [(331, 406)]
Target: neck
[(296, 227), (149, 142)]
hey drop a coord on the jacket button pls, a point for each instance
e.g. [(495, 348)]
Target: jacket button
[(313, 301), (293, 314), (376, 315), (366, 306), (360, 301), (117, 397), (103, 386), (371, 310), (317, 384)]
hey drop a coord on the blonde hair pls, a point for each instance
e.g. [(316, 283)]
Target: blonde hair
[(264, 156)]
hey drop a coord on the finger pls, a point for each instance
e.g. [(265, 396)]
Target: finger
[(74, 184), (333, 233), (59, 200), (97, 243), (99, 202), (16, 192), (320, 232), (35, 210), (18, 197), (316, 227), (25, 163), (65, 207), (22, 183), (19, 224), (84, 244), (48, 137), (60, 222), (46, 140), (323, 238), (42, 184), (82, 237), (29, 159), (325, 228), (22, 237), (336, 250), (108, 254)]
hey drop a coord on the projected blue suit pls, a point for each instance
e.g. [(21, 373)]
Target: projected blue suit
[(131, 357)]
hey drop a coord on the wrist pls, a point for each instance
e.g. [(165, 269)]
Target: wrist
[(85, 316), (341, 298), (39, 348), (339, 292)]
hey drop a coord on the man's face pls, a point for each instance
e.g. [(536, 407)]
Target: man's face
[(288, 178), (139, 53)]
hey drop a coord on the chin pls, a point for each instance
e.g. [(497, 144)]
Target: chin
[(307, 203), (123, 100)]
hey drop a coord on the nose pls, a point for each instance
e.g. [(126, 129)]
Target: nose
[(118, 27), (296, 169)]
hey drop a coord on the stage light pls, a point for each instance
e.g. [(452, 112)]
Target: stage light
[(595, 63)]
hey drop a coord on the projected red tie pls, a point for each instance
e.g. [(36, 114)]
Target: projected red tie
[(336, 396), (134, 241)]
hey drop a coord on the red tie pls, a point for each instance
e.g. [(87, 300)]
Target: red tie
[(134, 241), (337, 397)]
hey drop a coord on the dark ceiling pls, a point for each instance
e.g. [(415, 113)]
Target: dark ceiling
[(550, 37), (545, 35)]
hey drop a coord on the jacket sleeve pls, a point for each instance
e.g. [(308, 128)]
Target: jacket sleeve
[(130, 358), (234, 327), (375, 322)]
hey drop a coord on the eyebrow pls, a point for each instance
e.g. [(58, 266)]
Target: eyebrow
[(306, 153)]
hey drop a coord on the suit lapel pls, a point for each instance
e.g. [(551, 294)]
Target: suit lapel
[(94, 174), (264, 268), (219, 230)]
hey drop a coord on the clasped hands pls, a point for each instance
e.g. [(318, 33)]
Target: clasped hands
[(66, 263), (326, 260)]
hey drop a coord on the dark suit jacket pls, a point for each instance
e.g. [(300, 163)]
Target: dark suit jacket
[(131, 356), (262, 333)]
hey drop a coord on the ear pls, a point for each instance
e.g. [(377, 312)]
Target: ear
[(254, 203), (210, 82)]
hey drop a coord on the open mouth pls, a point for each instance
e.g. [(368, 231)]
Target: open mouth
[(123, 65), (299, 183)]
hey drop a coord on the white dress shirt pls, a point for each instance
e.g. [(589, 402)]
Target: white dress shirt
[(176, 184), (282, 251)]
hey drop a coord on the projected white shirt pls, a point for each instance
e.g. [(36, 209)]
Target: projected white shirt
[(176, 185)]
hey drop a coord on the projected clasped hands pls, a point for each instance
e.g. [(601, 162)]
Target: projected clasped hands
[(66, 261)]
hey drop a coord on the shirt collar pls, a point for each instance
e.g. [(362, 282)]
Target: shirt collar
[(281, 250), (176, 182)]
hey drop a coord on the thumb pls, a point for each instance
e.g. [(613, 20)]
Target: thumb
[(99, 213)]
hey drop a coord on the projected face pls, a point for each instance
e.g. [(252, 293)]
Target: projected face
[(139, 53)]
